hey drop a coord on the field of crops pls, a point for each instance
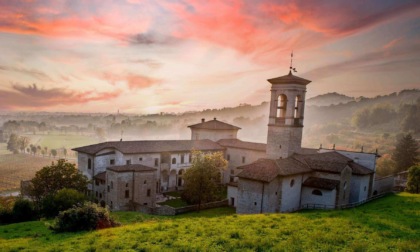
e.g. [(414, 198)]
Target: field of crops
[(56, 140), (17, 167), (387, 224)]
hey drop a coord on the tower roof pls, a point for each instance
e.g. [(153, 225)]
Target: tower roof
[(214, 125), (289, 79)]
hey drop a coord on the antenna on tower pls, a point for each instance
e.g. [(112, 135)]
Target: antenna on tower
[(291, 64)]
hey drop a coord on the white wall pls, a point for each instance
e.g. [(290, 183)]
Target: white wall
[(232, 192), (290, 195), (359, 188), (327, 198)]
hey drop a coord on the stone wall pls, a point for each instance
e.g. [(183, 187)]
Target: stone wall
[(359, 188), (327, 198), (291, 193), (383, 185), (214, 135)]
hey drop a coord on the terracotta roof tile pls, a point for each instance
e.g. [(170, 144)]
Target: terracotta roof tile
[(101, 176), (236, 143), (214, 125), (154, 146), (131, 168), (322, 183)]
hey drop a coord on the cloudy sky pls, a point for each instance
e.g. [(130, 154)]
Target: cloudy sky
[(144, 56)]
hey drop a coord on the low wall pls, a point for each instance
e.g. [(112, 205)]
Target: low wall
[(167, 210), (383, 185)]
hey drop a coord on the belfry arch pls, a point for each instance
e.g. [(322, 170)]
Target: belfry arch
[(281, 106)]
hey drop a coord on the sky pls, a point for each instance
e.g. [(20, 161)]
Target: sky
[(144, 56)]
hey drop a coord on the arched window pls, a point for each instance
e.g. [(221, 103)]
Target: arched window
[(317, 192), (89, 163), (173, 160), (180, 172), (281, 105), (182, 158), (292, 182), (297, 113)]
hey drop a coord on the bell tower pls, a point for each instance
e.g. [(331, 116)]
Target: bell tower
[(285, 123)]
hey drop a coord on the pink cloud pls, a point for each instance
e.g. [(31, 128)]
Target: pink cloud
[(133, 81), (32, 98)]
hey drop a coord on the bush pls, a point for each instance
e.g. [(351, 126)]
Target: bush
[(23, 210), (89, 216), (63, 200)]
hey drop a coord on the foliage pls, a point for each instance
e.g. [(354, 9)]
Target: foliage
[(54, 152), (203, 179), (385, 166), (50, 179), (6, 206), (406, 153), (62, 200), (378, 114), (23, 210), (13, 144), (411, 118), (387, 224), (23, 142), (89, 216), (413, 182)]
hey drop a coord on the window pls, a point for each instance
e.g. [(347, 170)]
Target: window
[(243, 160), (145, 182), (127, 194), (182, 158), (148, 192), (145, 204), (345, 185), (189, 158), (156, 161), (96, 194), (281, 105), (232, 171), (228, 157), (108, 189), (255, 203), (112, 161), (292, 182), (126, 184), (173, 160), (232, 179), (96, 182), (298, 101), (112, 185), (317, 192), (100, 195), (111, 206), (128, 162), (89, 163), (140, 159), (365, 189)]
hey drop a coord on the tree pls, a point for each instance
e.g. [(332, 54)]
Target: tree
[(23, 142), (405, 154), (13, 143), (54, 152), (413, 182), (65, 152), (50, 179), (203, 181), (62, 200)]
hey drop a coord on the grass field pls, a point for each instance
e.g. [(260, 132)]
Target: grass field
[(387, 224), (17, 167)]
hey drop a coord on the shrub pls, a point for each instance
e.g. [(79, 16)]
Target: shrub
[(23, 210), (63, 200), (89, 216)]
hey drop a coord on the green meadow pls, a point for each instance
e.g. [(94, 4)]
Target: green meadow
[(391, 223)]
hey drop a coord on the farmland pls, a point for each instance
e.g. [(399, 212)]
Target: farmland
[(387, 224), (17, 167)]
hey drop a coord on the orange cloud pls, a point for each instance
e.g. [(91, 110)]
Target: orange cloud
[(133, 81), (32, 97)]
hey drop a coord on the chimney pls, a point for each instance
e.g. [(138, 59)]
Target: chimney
[(203, 120), (215, 118)]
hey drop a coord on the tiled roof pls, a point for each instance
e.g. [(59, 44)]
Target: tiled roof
[(322, 183), (101, 176), (153, 146), (214, 125), (268, 169), (131, 168), (289, 79), (236, 143)]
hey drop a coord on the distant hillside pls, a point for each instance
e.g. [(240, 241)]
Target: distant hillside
[(328, 99)]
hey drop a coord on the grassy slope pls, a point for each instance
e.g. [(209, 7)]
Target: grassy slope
[(388, 224)]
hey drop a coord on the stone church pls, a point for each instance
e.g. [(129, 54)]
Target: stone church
[(279, 176)]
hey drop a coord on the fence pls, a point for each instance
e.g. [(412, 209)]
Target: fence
[(351, 205)]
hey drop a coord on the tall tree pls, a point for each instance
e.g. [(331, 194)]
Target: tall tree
[(203, 181), (413, 182), (406, 153), (13, 143), (50, 179), (23, 143)]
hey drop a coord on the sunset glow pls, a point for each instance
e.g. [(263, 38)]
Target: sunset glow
[(141, 56)]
